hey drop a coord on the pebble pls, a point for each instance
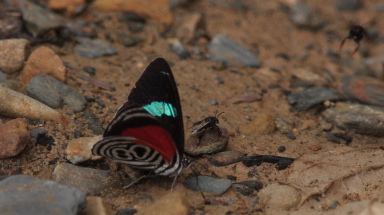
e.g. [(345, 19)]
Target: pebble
[(90, 70), (331, 137), (11, 19), (72, 7), (366, 90), (93, 123), (90, 181), (97, 206), (213, 102), (308, 98), (23, 194), (281, 162), (226, 158), (186, 32), (223, 48), (208, 184), (279, 196), (281, 149), (37, 19), (315, 147), (14, 137), (211, 142), (127, 211), (94, 48), (291, 136), (245, 98), (282, 125), (14, 104), (362, 119), (79, 28), (256, 185), (173, 203), (129, 40), (3, 77), (304, 16), (38, 131), (307, 77), (375, 66), (13, 53), (55, 93), (264, 124), (349, 5), (43, 60), (178, 48), (46, 141), (159, 11), (80, 150)]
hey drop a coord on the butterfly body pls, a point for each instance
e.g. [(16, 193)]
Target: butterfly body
[(147, 131)]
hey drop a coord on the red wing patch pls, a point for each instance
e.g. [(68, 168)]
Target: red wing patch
[(155, 137)]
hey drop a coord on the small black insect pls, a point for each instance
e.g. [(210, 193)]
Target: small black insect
[(356, 34), (208, 123)]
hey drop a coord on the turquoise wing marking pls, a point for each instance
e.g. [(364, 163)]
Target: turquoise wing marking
[(160, 108)]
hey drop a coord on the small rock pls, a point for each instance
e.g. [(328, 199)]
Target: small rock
[(245, 98), (38, 20), (97, 206), (2, 76), (291, 136), (14, 136), (128, 40), (281, 149), (308, 98), (186, 32), (13, 53), (23, 194), (375, 66), (13, 85), (281, 162), (38, 131), (94, 48), (45, 141), (210, 142), (314, 147), (43, 61), (331, 137), (226, 158), (213, 102), (264, 125), (304, 16), (72, 7), (208, 184), (90, 70), (79, 28), (283, 126), (256, 185), (173, 203), (55, 93), (90, 181), (364, 89), (11, 19), (348, 5), (362, 119), (307, 77), (80, 150), (178, 48), (279, 196), (224, 49), (14, 104), (127, 211), (93, 123)]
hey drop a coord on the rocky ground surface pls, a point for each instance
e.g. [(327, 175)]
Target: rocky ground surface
[(303, 123)]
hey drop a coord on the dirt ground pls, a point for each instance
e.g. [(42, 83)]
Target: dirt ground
[(264, 28)]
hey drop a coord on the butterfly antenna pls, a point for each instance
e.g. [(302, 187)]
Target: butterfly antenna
[(217, 116)]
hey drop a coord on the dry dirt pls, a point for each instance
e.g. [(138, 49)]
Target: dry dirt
[(266, 30)]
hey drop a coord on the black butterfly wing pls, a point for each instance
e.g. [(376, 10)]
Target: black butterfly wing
[(156, 91)]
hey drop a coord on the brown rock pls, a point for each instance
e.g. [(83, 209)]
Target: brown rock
[(174, 203), (43, 61), (90, 181), (80, 150), (14, 136), (263, 125), (13, 53), (315, 147), (71, 6), (97, 206), (279, 196), (186, 31)]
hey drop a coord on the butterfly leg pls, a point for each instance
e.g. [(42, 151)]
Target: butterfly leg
[(136, 181)]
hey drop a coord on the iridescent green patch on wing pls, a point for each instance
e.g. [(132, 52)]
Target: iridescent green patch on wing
[(160, 108)]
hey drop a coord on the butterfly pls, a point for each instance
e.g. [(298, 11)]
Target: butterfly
[(147, 131)]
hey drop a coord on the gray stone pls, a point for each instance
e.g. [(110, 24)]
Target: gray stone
[(90, 181), (311, 97), (224, 49), (2, 77), (23, 194), (179, 49), (348, 5), (304, 16), (38, 20), (94, 48), (362, 119), (55, 93), (208, 184), (94, 123)]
